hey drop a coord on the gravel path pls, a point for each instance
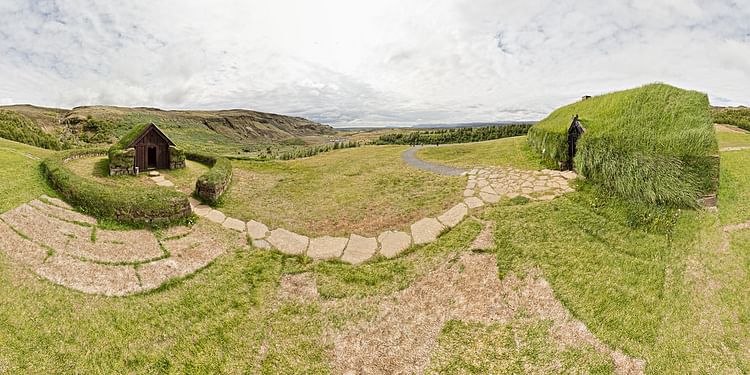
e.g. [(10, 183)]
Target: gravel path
[(410, 157)]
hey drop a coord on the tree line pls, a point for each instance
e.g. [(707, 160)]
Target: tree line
[(459, 135)]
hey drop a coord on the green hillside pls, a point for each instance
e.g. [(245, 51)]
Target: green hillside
[(653, 144), (17, 127)]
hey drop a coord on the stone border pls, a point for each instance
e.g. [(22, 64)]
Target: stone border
[(484, 186)]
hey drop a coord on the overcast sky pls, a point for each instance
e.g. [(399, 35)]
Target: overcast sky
[(380, 62)]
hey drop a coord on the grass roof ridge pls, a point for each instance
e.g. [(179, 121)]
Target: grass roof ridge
[(130, 136)]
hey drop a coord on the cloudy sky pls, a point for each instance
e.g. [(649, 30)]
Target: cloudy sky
[(357, 63)]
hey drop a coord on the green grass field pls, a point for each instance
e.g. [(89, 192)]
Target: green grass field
[(97, 169), (734, 195), (732, 137), (672, 297), (509, 152), (361, 190), (21, 177)]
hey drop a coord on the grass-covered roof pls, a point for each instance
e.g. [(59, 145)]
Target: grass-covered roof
[(657, 116), (129, 137), (133, 134), (655, 143)]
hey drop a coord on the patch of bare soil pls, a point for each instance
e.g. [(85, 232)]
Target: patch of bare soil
[(730, 128), (402, 336), (484, 240), (299, 288)]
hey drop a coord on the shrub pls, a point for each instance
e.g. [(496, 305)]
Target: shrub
[(654, 144), (306, 152), (19, 128), (211, 185), (739, 117), (148, 205), (460, 135)]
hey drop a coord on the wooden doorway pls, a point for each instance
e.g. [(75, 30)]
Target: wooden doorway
[(151, 158)]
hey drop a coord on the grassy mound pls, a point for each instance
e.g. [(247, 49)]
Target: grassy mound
[(654, 144), (211, 185), (145, 206), (739, 117), (19, 128)]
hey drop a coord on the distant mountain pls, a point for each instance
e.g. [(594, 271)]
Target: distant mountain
[(103, 124)]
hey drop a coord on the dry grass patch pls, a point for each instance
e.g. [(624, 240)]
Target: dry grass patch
[(730, 136), (507, 152), (363, 190), (403, 336)]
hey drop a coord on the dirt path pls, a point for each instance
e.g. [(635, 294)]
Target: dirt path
[(410, 157), (730, 128)]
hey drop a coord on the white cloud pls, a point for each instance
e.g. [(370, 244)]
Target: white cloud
[(368, 63)]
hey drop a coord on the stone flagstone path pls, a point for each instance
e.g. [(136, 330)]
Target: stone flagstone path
[(69, 249), (484, 186)]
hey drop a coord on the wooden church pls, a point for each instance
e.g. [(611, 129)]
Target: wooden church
[(144, 148)]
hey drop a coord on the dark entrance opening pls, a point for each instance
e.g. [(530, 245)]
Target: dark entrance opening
[(575, 131), (151, 157)]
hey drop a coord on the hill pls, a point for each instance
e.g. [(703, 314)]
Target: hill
[(653, 144), (235, 128)]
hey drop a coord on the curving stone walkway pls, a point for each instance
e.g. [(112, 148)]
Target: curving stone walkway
[(410, 157), (484, 186), (69, 249)]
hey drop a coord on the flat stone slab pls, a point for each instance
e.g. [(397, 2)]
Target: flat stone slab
[(469, 192), (257, 230), (19, 248), (62, 213), (176, 231), (165, 183), (393, 243), (326, 247), (288, 242), (116, 247), (57, 202), (489, 198), (187, 255), (359, 249), (202, 210), (452, 217), (216, 216), (45, 229), (154, 173), (234, 224), (262, 244), (426, 230), (473, 202), (90, 277), (194, 202), (108, 262)]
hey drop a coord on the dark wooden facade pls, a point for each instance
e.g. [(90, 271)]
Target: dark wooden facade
[(151, 149)]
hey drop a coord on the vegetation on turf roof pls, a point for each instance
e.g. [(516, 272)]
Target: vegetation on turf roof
[(654, 144)]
